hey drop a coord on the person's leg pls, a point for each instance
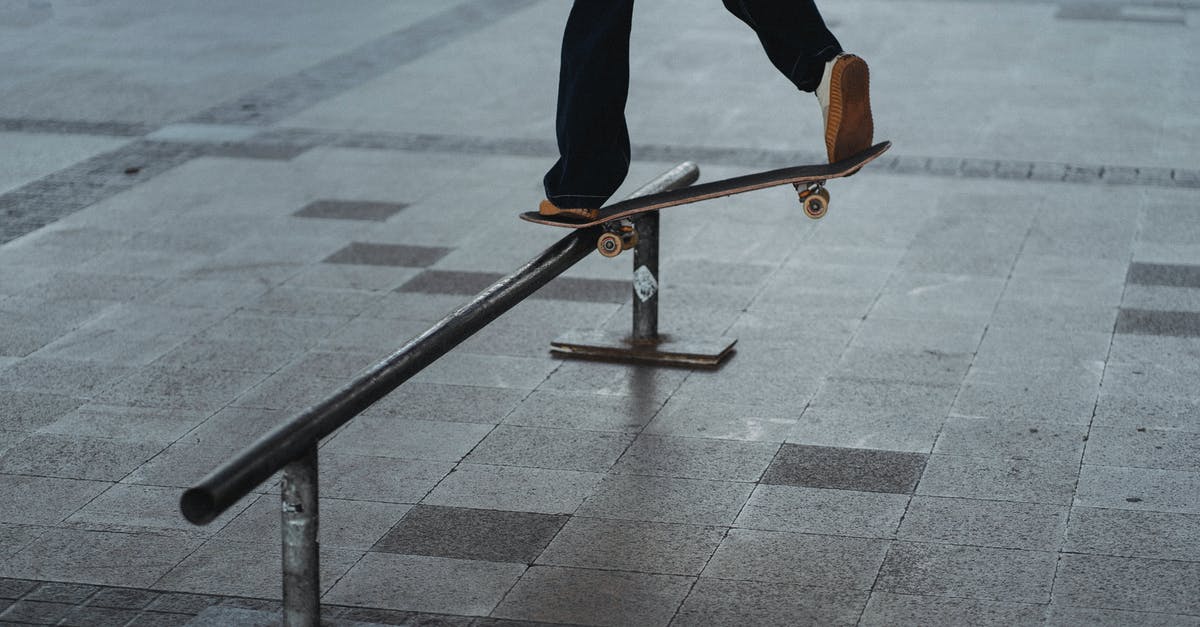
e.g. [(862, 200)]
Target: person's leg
[(593, 140), (793, 35), (801, 46)]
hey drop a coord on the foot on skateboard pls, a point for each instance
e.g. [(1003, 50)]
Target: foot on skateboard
[(551, 210), (844, 94)]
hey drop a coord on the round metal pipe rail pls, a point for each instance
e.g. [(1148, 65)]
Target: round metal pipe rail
[(234, 479)]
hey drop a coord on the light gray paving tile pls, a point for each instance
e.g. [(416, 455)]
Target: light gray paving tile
[(408, 439), (699, 418), (86, 557), (1134, 534), (1124, 583), (565, 449), (938, 296), (1025, 343), (1143, 448), (111, 347), (13, 538), (44, 500), (514, 489), (234, 355), (344, 524), (63, 377), (23, 341), (234, 427), (182, 465), (305, 301), (721, 602), (1138, 410), (929, 367), (245, 570), (654, 385), (290, 331), (848, 429), (179, 388), (474, 534), (29, 411), (377, 336), (1152, 350), (90, 286), (383, 479), (1066, 616), (1070, 268), (940, 336), (594, 597), (1012, 439), (696, 458), (1054, 316), (1022, 480), (878, 399), (1017, 401), (1144, 489), (829, 562), (343, 276), (585, 410), (497, 371), (139, 509), (974, 522), (287, 390), (645, 547), (814, 510), (450, 403), (131, 424), (76, 457), (968, 572), (202, 293), (886, 608), (669, 500), (425, 584)]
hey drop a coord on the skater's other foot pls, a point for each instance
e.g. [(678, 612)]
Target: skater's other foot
[(548, 209), (845, 100)]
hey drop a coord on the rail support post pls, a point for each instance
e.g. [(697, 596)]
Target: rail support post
[(645, 344), (301, 554)]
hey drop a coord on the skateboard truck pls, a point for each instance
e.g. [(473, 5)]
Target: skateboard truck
[(814, 198), (618, 236)]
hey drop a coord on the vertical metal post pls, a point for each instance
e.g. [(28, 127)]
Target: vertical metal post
[(301, 554), (645, 279)]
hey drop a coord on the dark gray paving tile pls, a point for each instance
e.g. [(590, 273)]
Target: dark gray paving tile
[(425, 584), (864, 470), (1144, 489), (181, 388), (161, 619), (86, 557), (76, 457), (36, 613), (1172, 275), (60, 376), (671, 549), (90, 616), (999, 479), (886, 608), (1012, 439), (22, 341), (968, 572), (1143, 448), (1149, 322), (565, 449), (351, 210), (696, 458), (124, 598), (594, 597), (1125, 583), (400, 255), (232, 355), (974, 522), (1134, 534), (670, 500), (720, 602), (182, 602), (513, 488), (13, 538), (830, 562), (488, 535), (11, 589), (62, 592), (816, 510), (44, 500)]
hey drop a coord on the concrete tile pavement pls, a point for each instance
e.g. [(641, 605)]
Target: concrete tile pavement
[(966, 396)]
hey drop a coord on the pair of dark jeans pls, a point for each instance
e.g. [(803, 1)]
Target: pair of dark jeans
[(593, 84)]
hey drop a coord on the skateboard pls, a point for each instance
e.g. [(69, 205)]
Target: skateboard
[(809, 181)]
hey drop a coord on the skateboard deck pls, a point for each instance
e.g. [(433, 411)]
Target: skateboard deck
[(814, 197)]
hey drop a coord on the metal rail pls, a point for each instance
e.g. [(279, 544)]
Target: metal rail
[(292, 446)]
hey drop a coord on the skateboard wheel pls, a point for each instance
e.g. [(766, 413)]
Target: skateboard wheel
[(816, 203), (609, 245)]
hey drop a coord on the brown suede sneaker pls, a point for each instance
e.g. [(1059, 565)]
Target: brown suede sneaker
[(548, 208), (845, 100)]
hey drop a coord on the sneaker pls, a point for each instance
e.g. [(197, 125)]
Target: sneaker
[(548, 208), (844, 94)]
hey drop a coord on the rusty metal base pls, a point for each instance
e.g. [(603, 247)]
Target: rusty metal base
[(666, 351)]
